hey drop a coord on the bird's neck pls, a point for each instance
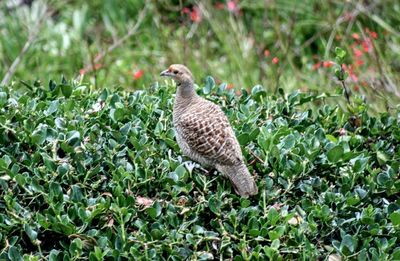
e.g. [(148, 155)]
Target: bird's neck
[(185, 97), (186, 90)]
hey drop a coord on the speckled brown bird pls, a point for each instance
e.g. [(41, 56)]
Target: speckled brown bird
[(204, 134)]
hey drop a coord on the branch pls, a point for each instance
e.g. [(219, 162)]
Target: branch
[(118, 42), (346, 92), (255, 156), (31, 38)]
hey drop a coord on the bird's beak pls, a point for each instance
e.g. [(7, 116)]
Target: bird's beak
[(166, 73)]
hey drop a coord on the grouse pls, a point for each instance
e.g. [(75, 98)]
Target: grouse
[(204, 134)]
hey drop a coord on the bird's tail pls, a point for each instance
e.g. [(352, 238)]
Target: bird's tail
[(240, 177)]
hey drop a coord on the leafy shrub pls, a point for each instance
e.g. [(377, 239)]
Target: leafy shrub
[(97, 173)]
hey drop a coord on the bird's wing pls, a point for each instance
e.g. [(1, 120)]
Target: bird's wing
[(207, 132)]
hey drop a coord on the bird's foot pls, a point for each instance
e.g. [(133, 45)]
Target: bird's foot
[(191, 165)]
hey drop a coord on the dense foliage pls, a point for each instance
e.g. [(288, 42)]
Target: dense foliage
[(98, 174)]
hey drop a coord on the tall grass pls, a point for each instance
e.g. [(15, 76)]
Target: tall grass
[(230, 40)]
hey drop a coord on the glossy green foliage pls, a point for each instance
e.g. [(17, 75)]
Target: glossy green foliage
[(97, 174)]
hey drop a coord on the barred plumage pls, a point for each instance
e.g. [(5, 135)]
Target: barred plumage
[(204, 134)]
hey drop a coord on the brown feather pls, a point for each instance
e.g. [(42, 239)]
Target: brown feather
[(204, 134)]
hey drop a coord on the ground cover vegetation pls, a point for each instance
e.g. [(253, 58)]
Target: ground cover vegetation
[(89, 166)]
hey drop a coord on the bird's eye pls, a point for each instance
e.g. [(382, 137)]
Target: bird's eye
[(175, 72)]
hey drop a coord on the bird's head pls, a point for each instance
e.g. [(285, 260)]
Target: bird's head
[(179, 73)]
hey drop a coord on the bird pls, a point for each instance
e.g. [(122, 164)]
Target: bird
[(204, 134)]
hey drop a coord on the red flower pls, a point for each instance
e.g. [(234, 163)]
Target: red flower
[(138, 74), (356, 36), (356, 88), (328, 64), (367, 45), (359, 62), (232, 6), (267, 53), (195, 15), (374, 35), (186, 10), (354, 77), (82, 71), (357, 53), (316, 66), (219, 6), (98, 66), (275, 60), (229, 86), (350, 70)]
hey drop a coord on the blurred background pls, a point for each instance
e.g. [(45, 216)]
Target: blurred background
[(275, 43)]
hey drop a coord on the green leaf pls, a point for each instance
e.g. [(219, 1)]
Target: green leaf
[(395, 218), (243, 139), (53, 255), (155, 210), (289, 141), (360, 164), (126, 128), (383, 179), (340, 53), (73, 138), (14, 254), (5, 161), (254, 232), (56, 193), (180, 171), (331, 138), (3, 99), (335, 154), (347, 241), (66, 90), (382, 157), (273, 216), (244, 203), (52, 85), (32, 234), (117, 114), (258, 92), (210, 83), (63, 169), (53, 107), (396, 254), (275, 244), (39, 135), (198, 229), (214, 205), (76, 194)]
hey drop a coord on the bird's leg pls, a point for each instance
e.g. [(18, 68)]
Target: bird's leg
[(206, 171)]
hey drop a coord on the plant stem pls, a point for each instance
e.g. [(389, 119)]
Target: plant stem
[(346, 92), (31, 38), (118, 42)]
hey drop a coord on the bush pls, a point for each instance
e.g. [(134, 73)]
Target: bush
[(98, 174)]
